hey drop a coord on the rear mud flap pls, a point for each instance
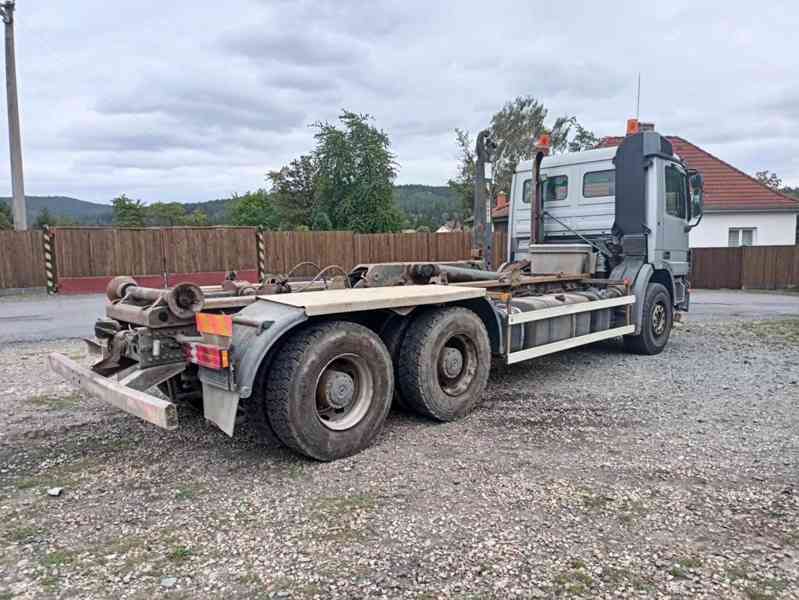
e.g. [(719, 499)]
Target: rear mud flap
[(220, 406)]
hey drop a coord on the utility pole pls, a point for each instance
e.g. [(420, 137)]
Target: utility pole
[(14, 138)]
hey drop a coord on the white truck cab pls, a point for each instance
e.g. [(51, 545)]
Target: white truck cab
[(633, 204)]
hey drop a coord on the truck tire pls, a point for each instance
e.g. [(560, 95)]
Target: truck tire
[(393, 334), (655, 324), (444, 363), (328, 391)]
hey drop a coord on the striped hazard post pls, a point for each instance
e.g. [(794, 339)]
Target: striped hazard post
[(49, 260), (260, 253)]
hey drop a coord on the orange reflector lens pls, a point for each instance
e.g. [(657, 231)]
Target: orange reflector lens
[(206, 355), (544, 141), (215, 324)]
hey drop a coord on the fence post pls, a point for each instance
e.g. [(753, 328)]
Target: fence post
[(260, 251), (49, 260)]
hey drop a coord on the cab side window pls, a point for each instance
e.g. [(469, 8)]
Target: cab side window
[(676, 192), (556, 188), (526, 191)]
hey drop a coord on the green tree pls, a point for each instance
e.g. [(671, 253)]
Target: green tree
[(43, 218), (294, 191), (462, 185), (769, 179), (196, 217), (515, 128), (165, 214), (254, 209), (321, 222), (6, 216), (128, 212), (583, 139), (354, 184)]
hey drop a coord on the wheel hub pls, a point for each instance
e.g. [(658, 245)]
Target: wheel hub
[(451, 362), (338, 389), (659, 319)]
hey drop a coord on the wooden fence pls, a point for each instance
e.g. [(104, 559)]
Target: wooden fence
[(753, 267), (21, 259), (85, 258), (284, 249)]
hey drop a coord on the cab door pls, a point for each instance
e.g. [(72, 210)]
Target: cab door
[(671, 241)]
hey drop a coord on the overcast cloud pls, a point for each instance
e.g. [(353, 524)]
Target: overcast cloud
[(191, 101)]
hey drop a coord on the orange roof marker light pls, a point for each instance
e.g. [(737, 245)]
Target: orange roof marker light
[(543, 142), (633, 126)]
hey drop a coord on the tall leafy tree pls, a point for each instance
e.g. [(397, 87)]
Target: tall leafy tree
[(515, 127), (294, 191), (6, 216), (462, 185), (43, 218), (171, 214), (769, 179), (254, 209), (356, 175), (128, 212)]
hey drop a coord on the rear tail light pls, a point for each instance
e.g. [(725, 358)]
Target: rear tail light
[(205, 355)]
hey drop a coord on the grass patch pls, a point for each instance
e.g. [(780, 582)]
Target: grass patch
[(596, 501), (784, 330), (49, 583), (756, 593), (22, 534), (188, 492), (6, 595), (342, 505), (681, 568), (180, 554), (57, 558), (55, 402), (576, 581)]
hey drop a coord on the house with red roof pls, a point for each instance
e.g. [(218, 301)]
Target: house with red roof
[(739, 210)]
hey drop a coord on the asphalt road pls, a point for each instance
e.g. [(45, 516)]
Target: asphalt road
[(40, 318)]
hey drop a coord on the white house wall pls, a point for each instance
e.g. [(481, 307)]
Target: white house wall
[(773, 229)]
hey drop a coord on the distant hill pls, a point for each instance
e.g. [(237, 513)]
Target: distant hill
[(425, 205), (85, 213)]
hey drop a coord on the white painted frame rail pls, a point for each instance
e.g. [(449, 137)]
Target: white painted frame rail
[(572, 342)]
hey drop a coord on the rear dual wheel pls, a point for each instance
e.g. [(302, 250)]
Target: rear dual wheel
[(443, 363)]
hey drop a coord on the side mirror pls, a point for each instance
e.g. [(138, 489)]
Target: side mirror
[(697, 189)]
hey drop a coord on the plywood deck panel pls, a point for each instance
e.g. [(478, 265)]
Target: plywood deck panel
[(352, 300)]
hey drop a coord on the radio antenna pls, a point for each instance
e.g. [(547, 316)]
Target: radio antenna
[(638, 99)]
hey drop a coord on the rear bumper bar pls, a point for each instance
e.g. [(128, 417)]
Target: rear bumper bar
[(149, 408)]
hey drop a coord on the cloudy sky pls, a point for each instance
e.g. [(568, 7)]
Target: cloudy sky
[(189, 101)]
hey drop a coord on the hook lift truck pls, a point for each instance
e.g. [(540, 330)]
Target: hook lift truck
[(598, 249)]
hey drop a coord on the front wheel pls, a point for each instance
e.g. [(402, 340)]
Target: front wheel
[(656, 322), (329, 390)]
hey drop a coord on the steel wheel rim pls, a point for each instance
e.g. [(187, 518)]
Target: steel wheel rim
[(458, 348), (659, 318), (343, 392)]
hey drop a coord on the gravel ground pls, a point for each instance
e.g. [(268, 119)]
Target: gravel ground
[(592, 473)]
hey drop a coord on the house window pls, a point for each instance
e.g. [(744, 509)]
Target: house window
[(676, 192), (599, 184), (741, 237)]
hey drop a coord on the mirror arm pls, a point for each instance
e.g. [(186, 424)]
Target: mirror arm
[(689, 227)]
